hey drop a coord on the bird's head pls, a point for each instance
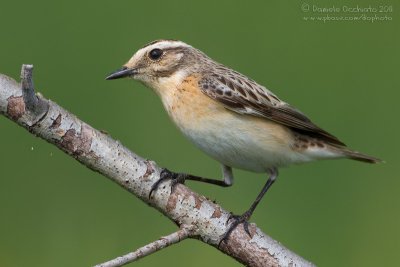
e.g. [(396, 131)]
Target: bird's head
[(158, 59)]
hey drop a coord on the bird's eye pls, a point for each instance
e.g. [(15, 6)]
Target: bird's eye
[(155, 54)]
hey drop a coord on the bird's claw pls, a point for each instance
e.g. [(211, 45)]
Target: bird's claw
[(237, 219), (176, 178)]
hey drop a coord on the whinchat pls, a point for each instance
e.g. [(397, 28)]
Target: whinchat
[(229, 116)]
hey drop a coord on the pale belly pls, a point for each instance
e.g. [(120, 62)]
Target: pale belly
[(243, 142), (236, 140)]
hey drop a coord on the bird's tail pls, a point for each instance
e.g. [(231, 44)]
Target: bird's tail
[(359, 156)]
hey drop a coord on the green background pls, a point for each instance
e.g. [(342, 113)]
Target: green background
[(343, 74)]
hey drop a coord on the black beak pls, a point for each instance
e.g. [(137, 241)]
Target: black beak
[(121, 73)]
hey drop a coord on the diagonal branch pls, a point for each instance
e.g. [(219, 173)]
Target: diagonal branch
[(161, 243), (107, 156)]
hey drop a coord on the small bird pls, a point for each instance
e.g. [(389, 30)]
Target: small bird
[(230, 117)]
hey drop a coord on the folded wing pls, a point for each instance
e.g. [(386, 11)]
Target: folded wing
[(242, 95)]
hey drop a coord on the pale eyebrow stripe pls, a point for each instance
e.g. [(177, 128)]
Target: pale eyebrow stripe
[(161, 40)]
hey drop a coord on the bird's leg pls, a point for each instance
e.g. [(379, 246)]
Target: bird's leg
[(273, 174), (180, 178), (226, 172)]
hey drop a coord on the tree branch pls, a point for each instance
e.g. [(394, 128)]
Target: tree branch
[(161, 243), (101, 153)]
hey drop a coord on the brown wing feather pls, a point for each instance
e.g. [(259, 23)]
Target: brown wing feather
[(240, 94)]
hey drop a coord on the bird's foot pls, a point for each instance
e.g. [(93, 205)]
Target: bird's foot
[(176, 178), (237, 219)]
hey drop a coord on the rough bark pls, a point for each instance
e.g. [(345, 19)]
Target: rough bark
[(101, 153)]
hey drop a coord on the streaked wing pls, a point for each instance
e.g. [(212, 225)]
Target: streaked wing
[(242, 95)]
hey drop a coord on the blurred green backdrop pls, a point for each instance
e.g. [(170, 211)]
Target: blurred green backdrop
[(343, 74)]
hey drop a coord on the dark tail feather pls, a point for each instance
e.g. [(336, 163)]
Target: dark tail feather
[(361, 157)]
